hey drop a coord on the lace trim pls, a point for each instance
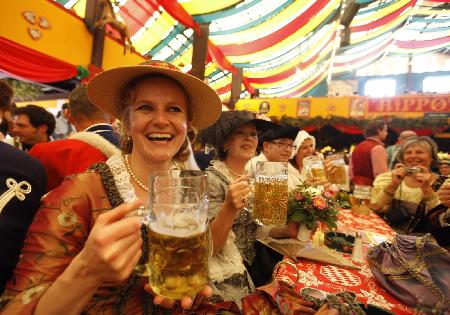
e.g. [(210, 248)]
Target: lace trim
[(116, 181), (223, 170)]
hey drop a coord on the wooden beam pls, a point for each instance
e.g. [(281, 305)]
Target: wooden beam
[(94, 10), (199, 52), (236, 83)]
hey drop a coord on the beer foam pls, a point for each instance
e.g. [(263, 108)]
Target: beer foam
[(179, 223)]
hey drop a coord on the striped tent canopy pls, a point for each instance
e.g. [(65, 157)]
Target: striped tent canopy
[(285, 47)]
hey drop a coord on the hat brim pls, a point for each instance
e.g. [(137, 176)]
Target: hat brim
[(104, 90), (261, 124)]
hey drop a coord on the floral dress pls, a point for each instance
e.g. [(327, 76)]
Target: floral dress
[(227, 271), (59, 232)]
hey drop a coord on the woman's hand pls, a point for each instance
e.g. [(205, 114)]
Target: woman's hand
[(113, 247), (424, 178), (185, 303), (444, 194), (237, 193), (398, 174), (330, 167)]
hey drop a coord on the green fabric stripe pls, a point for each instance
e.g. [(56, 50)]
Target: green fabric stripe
[(375, 8), (428, 20), (176, 30), (209, 17), (255, 22)]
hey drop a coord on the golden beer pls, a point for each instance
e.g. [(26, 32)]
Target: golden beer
[(338, 176), (318, 174), (270, 200), (178, 266)]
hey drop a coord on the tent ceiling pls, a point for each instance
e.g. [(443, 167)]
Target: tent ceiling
[(285, 47)]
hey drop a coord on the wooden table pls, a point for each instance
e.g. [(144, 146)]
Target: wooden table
[(331, 279)]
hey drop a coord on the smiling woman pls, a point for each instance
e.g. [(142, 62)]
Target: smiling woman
[(405, 194), (95, 252)]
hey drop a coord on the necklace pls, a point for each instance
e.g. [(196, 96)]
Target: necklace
[(130, 171), (232, 172)]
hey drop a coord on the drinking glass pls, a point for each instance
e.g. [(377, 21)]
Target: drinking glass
[(271, 193), (315, 170), (338, 176), (361, 199), (178, 234)]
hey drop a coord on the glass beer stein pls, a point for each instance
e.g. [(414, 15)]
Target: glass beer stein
[(271, 193), (315, 170), (178, 233), (361, 199), (338, 176)]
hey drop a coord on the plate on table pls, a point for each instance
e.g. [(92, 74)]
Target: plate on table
[(339, 241)]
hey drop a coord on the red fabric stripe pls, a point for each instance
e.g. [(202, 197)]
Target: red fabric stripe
[(384, 20), (276, 36), (291, 71), (224, 89), (33, 65), (180, 14), (247, 85), (136, 14), (220, 58), (422, 43)]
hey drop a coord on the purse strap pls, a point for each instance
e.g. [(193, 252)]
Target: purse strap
[(419, 277)]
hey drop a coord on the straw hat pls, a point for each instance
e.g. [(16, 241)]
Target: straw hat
[(104, 90), (217, 134)]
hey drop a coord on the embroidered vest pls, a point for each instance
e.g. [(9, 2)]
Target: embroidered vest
[(362, 163)]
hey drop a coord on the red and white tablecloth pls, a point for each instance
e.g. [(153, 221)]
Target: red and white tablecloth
[(332, 279)]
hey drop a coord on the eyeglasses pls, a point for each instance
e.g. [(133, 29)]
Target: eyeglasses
[(284, 145)]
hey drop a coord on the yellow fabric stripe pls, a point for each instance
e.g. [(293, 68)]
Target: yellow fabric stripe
[(310, 26), (80, 8), (155, 33), (202, 6), (263, 28), (362, 19)]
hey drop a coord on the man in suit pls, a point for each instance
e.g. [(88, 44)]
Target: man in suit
[(22, 184)]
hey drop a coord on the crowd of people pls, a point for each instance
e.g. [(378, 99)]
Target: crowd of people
[(65, 202)]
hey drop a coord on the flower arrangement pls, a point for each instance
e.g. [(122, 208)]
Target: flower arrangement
[(309, 205)]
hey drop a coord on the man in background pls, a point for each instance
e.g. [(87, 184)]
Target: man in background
[(277, 145), (393, 150), (63, 127), (32, 124), (369, 158), (95, 141)]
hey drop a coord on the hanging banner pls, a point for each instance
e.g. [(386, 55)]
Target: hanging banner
[(416, 103)]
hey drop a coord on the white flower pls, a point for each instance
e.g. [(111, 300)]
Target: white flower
[(67, 219)]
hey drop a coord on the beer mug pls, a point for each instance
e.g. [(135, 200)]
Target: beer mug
[(271, 193), (361, 199), (178, 234), (315, 170), (338, 176)]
